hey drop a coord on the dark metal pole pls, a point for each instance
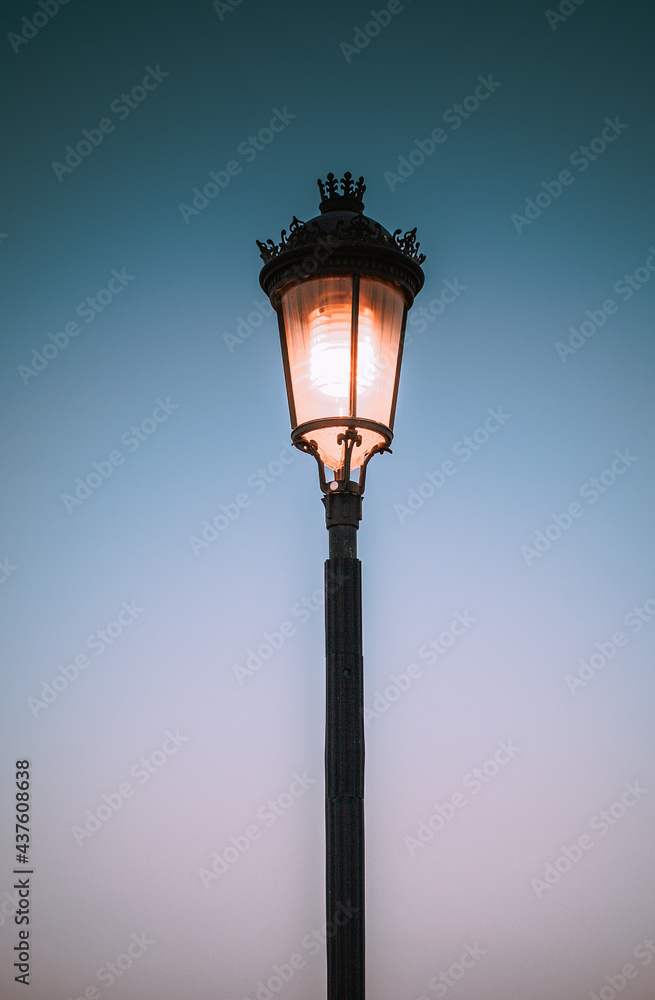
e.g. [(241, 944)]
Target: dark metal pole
[(344, 751)]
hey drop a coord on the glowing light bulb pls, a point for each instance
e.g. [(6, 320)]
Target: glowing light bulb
[(329, 351)]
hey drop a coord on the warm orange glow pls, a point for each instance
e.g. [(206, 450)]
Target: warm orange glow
[(318, 331), (329, 351)]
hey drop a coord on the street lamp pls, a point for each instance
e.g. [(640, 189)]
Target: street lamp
[(341, 286)]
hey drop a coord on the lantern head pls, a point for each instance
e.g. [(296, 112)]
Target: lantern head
[(341, 285)]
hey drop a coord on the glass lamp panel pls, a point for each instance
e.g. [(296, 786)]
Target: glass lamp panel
[(317, 319), (318, 327), (384, 303)]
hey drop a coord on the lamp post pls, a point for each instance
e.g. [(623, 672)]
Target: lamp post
[(341, 286)]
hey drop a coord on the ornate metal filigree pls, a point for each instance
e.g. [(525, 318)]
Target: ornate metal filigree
[(350, 439), (300, 234), (342, 483), (408, 245), (359, 229)]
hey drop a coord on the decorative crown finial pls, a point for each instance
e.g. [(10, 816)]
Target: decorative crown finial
[(350, 199)]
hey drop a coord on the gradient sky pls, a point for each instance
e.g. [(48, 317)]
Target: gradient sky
[(113, 586)]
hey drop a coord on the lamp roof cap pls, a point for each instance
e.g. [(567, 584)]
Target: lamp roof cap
[(341, 240)]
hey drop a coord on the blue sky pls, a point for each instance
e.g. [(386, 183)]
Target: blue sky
[(511, 527)]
